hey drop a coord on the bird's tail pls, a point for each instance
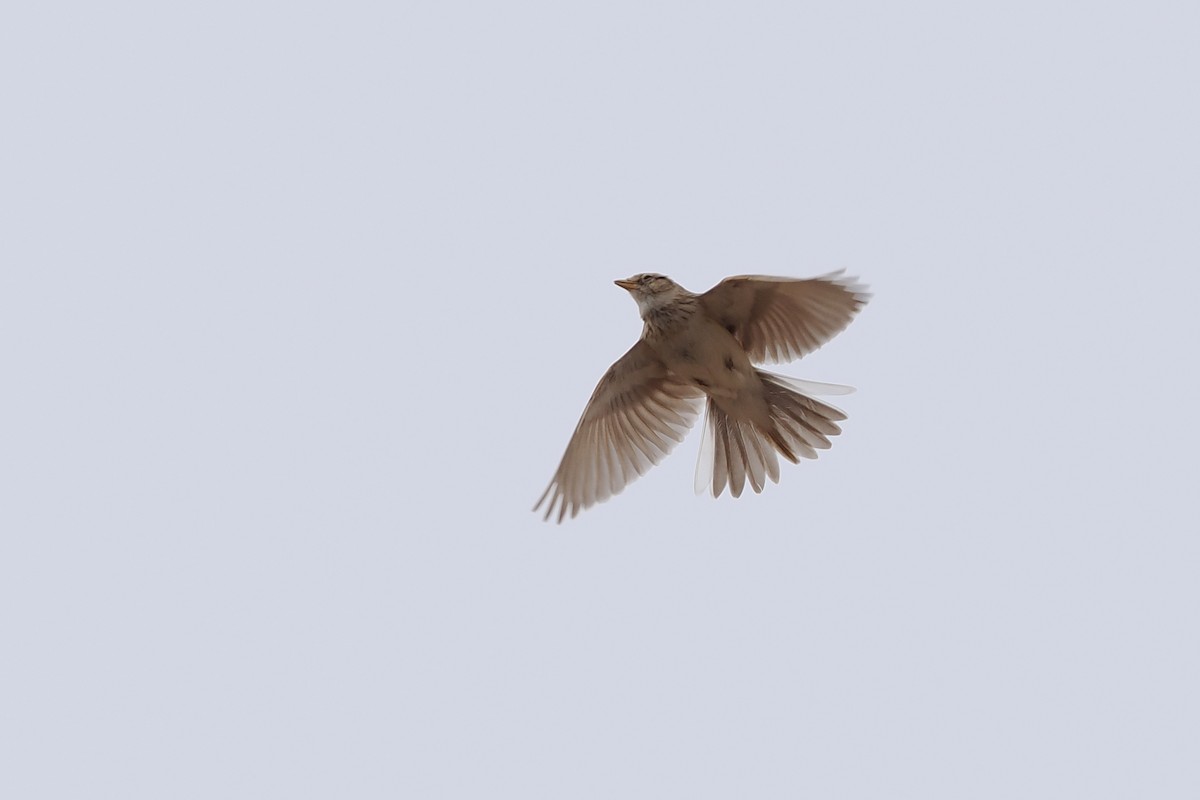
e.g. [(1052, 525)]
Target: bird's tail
[(733, 451)]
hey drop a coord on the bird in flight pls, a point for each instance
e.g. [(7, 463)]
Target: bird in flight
[(700, 350)]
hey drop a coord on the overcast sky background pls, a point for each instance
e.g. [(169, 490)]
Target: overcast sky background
[(301, 302)]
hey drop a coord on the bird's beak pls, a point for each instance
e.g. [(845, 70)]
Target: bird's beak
[(627, 284)]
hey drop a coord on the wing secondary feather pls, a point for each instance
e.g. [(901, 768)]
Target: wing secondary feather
[(636, 415)]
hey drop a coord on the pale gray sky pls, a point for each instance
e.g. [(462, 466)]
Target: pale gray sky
[(301, 302)]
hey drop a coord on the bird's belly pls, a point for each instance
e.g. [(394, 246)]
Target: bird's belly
[(715, 364)]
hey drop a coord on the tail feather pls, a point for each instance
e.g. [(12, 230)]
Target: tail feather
[(736, 451)]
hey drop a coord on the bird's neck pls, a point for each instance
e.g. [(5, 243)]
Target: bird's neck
[(663, 319)]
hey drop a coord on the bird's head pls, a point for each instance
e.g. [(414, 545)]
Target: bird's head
[(651, 291)]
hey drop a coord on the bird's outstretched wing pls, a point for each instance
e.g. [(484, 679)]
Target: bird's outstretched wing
[(636, 415), (781, 319)]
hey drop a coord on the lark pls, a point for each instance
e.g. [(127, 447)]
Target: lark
[(700, 351)]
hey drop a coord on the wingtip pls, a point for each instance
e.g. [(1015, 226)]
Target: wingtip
[(851, 283)]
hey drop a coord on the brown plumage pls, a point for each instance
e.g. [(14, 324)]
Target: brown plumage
[(700, 349)]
